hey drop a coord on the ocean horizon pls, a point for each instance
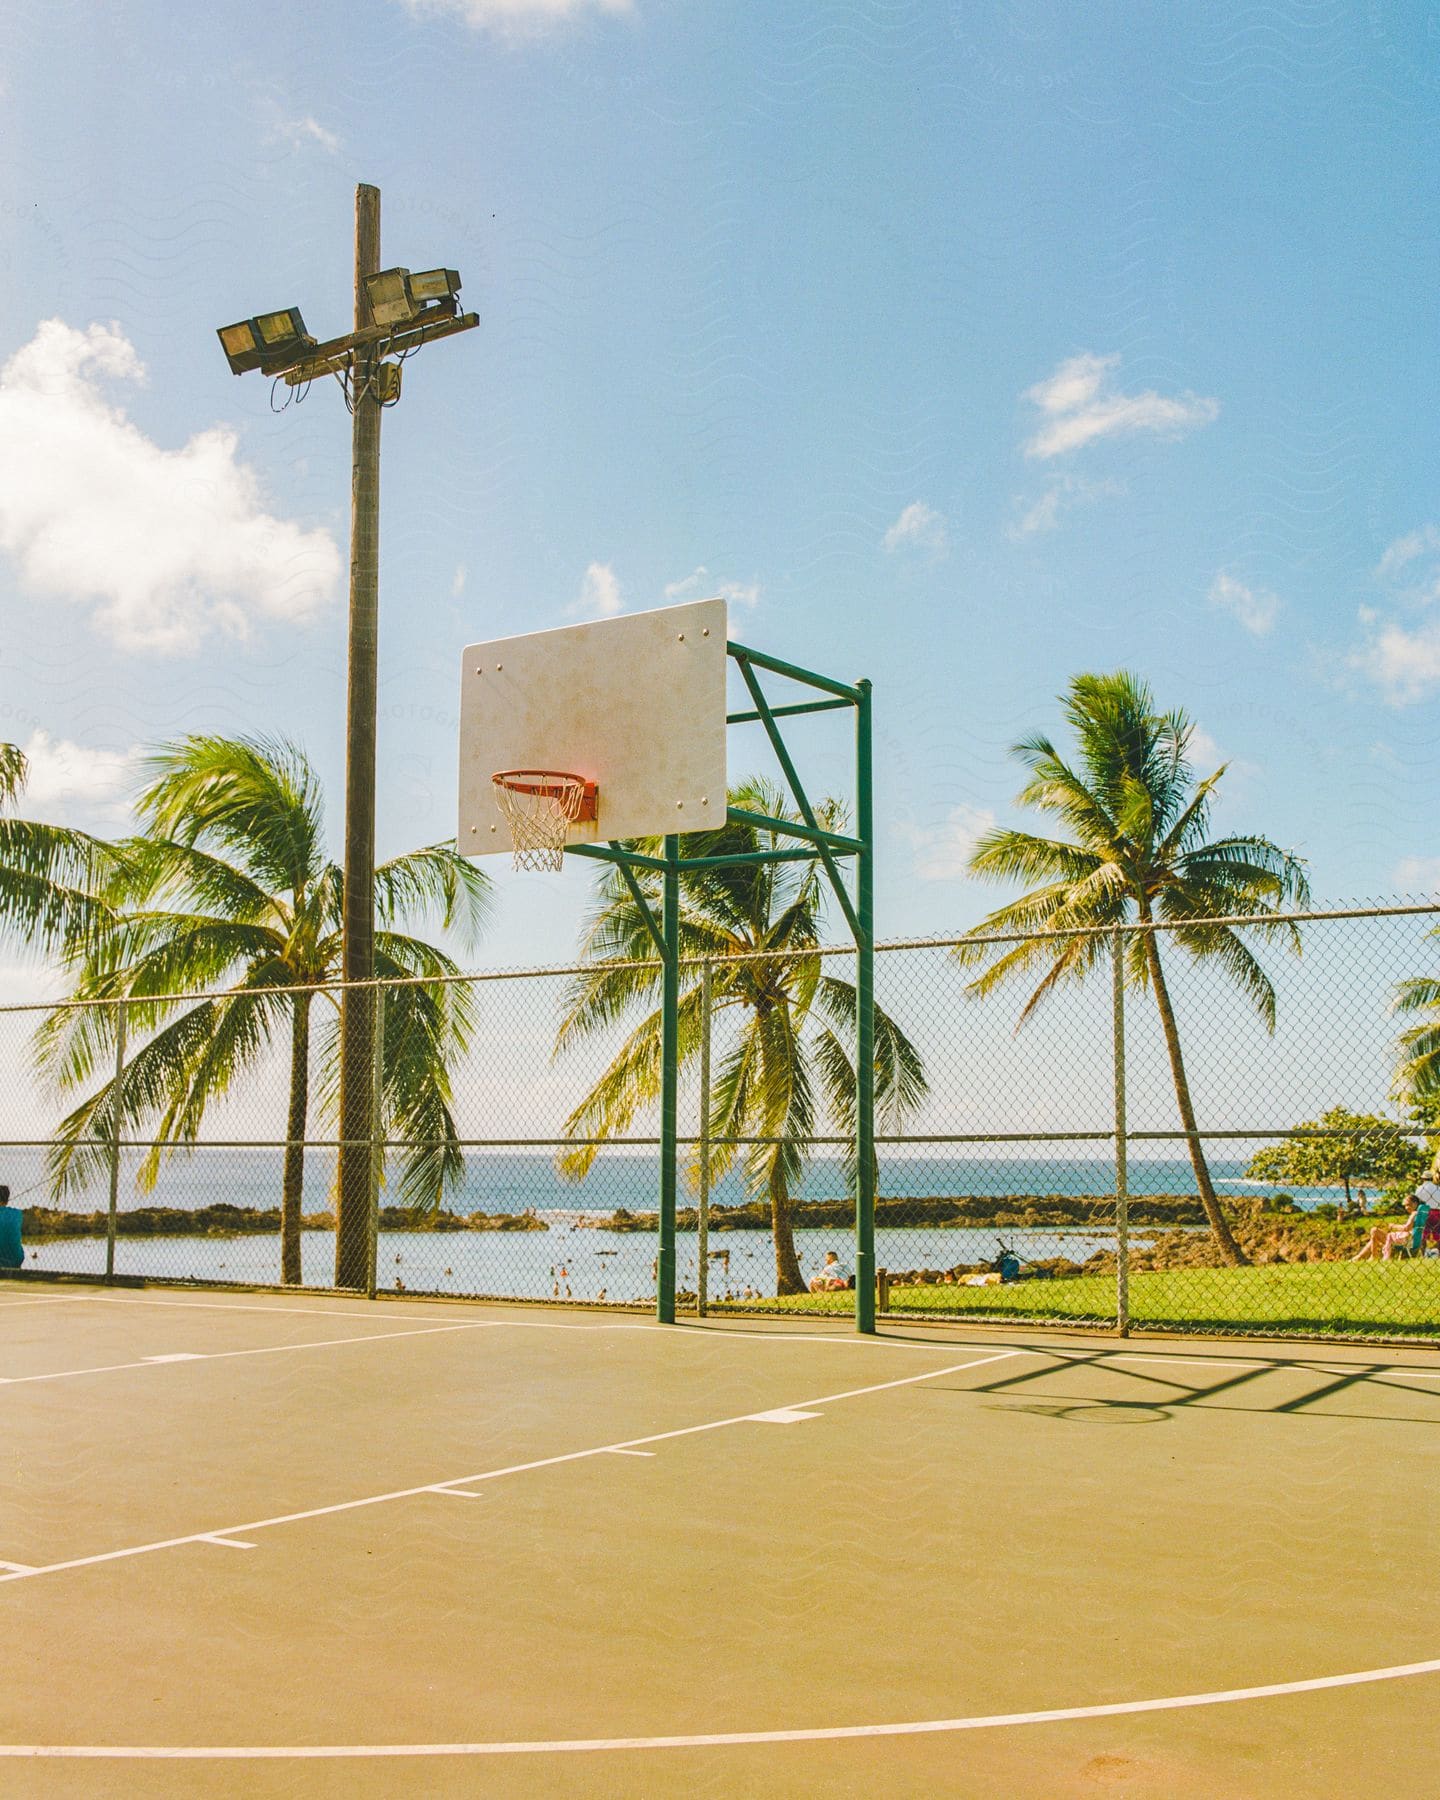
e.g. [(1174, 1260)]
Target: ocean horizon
[(512, 1181)]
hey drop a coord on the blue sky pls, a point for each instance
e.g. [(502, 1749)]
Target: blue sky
[(966, 345)]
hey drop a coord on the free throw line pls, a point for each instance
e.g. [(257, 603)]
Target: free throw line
[(457, 1481)]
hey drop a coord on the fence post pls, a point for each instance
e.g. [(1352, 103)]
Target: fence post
[(865, 1017), (1122, 1174), (377, 1139), (702, 1212), (669, 1086), (120, 1017)]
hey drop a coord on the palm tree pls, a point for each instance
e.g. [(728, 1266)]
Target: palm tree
[(789, 1059), (229, 894), (1132, 845), (48, 873), (1418, 1074)]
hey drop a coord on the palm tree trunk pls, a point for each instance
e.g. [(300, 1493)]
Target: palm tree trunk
[(788, 1279), (293, 1185), (1219, 1227)]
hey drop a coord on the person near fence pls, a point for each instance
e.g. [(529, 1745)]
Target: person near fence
[(834, 1275), (12, 1249), (1384, 1240)]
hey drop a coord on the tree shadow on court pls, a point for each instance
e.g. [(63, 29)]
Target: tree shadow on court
[(1170, 1395)]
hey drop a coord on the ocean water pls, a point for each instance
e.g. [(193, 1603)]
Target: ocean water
[(571, 1258), (508, 1181), (567, 1261)]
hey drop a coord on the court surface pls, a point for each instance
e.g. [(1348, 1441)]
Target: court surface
[(313, 1546)]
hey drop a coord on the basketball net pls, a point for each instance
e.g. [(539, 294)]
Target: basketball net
[(540, 806)]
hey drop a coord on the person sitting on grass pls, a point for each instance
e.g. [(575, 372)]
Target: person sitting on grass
[(833, 1276), (1384, 1240), (12, 1251)]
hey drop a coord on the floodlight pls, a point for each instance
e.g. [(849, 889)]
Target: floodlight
[(273, 336), (399, 298), (389, 297), (434, 284), (241, 344), (278, 329)]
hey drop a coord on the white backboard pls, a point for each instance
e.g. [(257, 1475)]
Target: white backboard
[(635, 704)]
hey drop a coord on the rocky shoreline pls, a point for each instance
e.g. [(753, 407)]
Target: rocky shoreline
[(46, 1223), (1086, 1212)]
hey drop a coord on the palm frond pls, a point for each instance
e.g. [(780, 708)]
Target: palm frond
[(437, 882), (256, 799), (14, 771), (52, 882)]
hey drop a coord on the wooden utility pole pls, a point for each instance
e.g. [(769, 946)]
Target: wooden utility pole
[(357, 1047), (414, 310)]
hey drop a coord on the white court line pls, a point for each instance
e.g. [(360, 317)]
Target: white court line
[(1364, 1371), (1202, 1362), (689, 1327), (432, 1487), (151, 1362), (698, 1331), (708, 1740), (49, 1300), (372, 1311)]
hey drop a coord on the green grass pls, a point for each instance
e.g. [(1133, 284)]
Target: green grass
[(1345, 1298)]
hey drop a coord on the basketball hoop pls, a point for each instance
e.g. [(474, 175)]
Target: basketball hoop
[(540, 806)]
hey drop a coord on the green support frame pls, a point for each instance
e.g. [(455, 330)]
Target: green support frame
[(858, 909)]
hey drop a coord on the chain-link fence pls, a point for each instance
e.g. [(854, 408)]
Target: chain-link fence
[(1126, 1152)]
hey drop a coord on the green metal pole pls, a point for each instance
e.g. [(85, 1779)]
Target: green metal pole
[(702, 1212), (1122, 1171), (377, 1140), (115, 1125), (669, 1086), (865, 1022)]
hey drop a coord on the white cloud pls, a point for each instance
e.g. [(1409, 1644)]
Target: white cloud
[(1255, 608), (516, 16), (1405, 550), (1203, 751), (169, 546), (300, 133), (457, 581), (702, 585), (1403, 664), (62, 773), (1403, 660), (1081, 405), (599, 596), (919, 527), (1064, 493), (1043, 515), (1411, 565), (1417, 875), (942, 853)]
